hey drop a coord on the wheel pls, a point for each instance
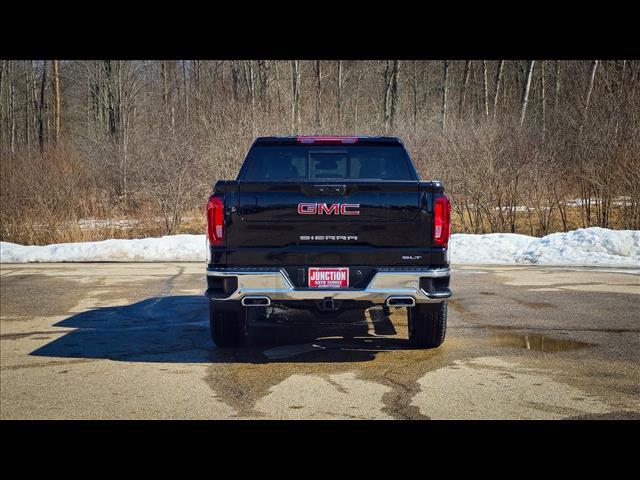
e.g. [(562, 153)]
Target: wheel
[(427, 324), (228, 324)]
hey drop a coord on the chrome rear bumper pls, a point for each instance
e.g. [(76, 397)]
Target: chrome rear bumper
[(277, 286)]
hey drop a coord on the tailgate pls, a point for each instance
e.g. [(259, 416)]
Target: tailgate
[(372, 213)]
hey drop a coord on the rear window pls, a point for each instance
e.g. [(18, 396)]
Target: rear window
[(317, 162)]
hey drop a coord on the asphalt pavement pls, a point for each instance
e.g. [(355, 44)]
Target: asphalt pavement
[(125, 340)]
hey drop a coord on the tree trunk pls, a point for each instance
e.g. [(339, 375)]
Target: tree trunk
[(385, 99), (390, 92), (622, 73), (234, 80), (556, 93), (248, 72), (2, 77), (339, 93), (444, 93), (465, 82), (358, 78), (525, 92), (543, 99), (43, 82), (57, 103), (196, 86), (12, 108), (263, 75), (592, 77), (165, 88), (395, 72), (295, 96), (185, 87), (318, 74), (414, 86), (277, 74), (27, 103), (497, 87), (485, 88)]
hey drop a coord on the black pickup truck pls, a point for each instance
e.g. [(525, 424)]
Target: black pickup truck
[(328, 223)]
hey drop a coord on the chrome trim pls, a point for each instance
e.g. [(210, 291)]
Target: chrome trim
[(387, 282)]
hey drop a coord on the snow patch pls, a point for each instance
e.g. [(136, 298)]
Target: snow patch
[(584, 247), (172, 248)]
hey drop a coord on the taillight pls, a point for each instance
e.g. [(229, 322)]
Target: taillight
[(441, 221), (215, 220)]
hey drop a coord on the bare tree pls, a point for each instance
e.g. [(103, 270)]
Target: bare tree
[(497, 87), (12, 106), (414, 89), (525, 92), (41, 106), (235, 77), (249, 79), (263, 74), (132, 128), (27, 103), (295, 96), (465, 82), (485, 88), (339, 93), (186, 90), (556, 94), (318, 78), (592, 77), (543, 98), (445, 78), (390, 92), (57, 102)]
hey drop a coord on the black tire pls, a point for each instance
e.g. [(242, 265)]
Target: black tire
[(228, 324), (427, 324)]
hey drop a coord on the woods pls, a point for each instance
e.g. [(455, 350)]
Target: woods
[(132, 147)]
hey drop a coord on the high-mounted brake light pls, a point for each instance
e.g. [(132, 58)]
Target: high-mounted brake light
[(215, 220), (326, 139), (441, 221)]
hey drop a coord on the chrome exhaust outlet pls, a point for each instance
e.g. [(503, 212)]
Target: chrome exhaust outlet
[(400, 302), (255, 301)]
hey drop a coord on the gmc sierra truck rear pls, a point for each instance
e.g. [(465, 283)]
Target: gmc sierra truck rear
[(328, 224)]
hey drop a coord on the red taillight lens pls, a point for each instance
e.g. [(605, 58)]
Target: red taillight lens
[(215, 220), (441, 221)]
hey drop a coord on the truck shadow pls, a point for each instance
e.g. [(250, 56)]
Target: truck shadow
[(176, 329)]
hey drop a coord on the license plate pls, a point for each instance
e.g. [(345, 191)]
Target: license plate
[(328, 277)]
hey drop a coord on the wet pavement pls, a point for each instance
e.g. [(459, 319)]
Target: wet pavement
[(132, 341)]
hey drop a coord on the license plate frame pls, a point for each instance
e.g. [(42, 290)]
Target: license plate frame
[(334, 278)]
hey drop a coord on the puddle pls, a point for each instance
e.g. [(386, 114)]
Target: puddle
[(537, 342), (287, 351)]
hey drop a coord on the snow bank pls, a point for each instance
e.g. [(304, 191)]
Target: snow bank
[(586, 246), (589, 246), (173, 248)]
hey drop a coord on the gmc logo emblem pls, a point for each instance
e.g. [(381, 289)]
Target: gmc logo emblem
[(333, 209)]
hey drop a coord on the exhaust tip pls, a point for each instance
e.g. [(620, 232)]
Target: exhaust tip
[(255, 301), (400, 302)]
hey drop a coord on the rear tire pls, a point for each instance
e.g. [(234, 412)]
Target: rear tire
[(228, 324), (427, 324)]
